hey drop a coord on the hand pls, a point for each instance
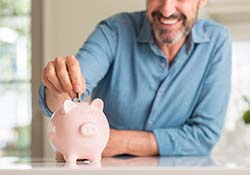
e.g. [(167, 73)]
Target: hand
[(62, 79), (138, 143), (63, 75), (116, 145)]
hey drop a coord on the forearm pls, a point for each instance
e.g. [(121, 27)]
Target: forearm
[(139, 143)]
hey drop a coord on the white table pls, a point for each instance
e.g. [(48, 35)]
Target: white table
[(214, 165)]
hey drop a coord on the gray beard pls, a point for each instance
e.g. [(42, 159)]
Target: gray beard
[(182, 33)]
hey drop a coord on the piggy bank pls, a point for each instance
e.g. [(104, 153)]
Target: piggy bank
[(79, 130)]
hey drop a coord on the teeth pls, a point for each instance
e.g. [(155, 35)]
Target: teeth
[(168, 21)]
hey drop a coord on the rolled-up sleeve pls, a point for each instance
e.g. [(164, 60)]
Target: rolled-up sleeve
[(44, 108)]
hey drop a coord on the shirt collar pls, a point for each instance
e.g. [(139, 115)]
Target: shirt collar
[(198, 34), (145, 33)]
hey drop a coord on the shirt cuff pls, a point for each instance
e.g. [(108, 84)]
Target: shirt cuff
[(42, 103), (164, 142)]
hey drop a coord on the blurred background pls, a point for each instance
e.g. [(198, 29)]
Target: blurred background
[(32, 32)]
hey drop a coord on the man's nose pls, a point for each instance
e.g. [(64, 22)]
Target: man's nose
[(168, 7)]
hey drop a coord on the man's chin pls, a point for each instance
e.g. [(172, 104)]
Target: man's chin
[(168, 40)]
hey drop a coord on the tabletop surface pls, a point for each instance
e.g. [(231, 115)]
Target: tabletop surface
[(123, 164)]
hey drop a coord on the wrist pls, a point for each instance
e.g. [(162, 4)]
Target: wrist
[(140, 143), (124, 141)]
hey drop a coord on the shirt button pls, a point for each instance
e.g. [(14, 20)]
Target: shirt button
[(163, 65), (160, 91), (150, 122)]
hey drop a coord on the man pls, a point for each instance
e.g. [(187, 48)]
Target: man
[(163, 75)]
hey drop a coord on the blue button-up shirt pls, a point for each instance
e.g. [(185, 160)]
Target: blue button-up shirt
[(183, 104)]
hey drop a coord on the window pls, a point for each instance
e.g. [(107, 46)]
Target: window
[(235, 15), (240, 83), (15, 78), (235, 137)]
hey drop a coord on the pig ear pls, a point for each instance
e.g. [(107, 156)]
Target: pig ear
[(68, 105), (97, 103)]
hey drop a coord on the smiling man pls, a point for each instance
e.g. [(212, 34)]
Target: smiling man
[(164, 77)]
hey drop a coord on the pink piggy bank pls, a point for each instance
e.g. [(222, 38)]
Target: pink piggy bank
[(79, 130)]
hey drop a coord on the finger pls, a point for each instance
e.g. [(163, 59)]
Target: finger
[(62, 74), (74, 73), (47, 83), (50, 73)]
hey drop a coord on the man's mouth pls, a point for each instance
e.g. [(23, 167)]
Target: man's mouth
[(167, 21), (170, 29), (173, 19)]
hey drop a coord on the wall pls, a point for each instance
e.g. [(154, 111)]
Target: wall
[(235, 15), (67, 23)]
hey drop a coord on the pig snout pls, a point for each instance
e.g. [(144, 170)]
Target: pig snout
[(88, 129)]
